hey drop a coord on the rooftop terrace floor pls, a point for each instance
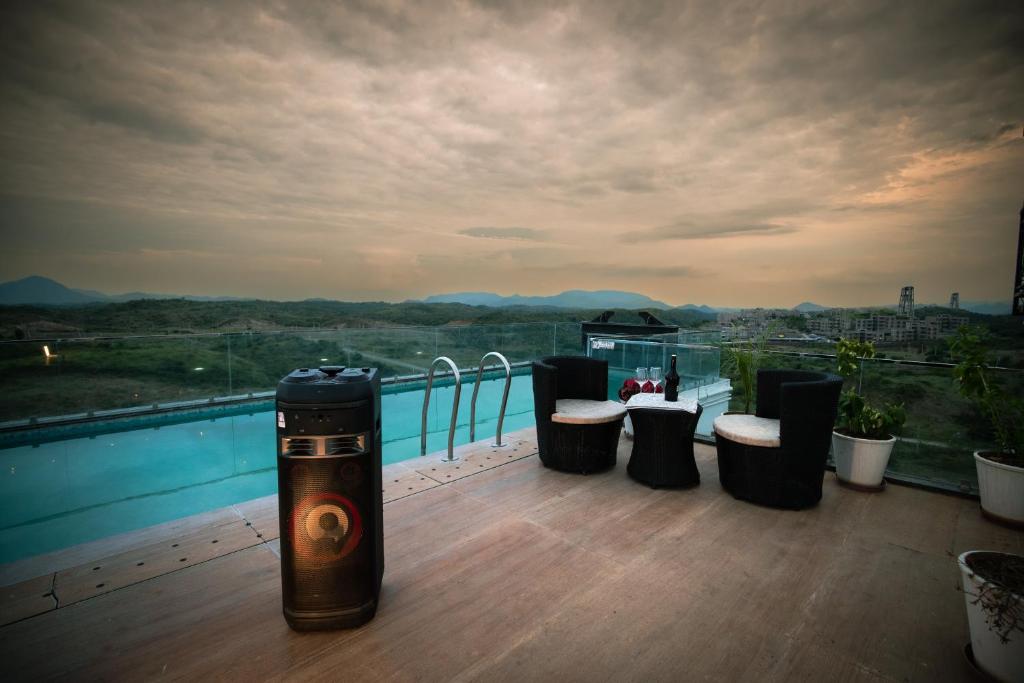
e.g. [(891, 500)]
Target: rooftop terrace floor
[(504, 570)]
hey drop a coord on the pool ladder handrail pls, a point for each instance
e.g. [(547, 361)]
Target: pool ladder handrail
[(455, 407), (504, 398)]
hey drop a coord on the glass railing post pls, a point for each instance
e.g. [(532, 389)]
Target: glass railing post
[(231, 384)]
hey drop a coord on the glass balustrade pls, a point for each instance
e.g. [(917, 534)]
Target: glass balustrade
[(52, 378), (49, 380)]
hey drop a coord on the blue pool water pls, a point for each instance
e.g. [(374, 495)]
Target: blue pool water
[(64, 492)]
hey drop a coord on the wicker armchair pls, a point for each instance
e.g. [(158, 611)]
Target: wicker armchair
[(662, 453), (777, 458), (577, 426)]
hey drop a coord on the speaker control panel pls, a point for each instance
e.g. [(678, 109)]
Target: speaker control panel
[(332, 445)]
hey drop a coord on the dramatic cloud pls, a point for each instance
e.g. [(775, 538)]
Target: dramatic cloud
[(728, 153), (686, 230), (527, 234)]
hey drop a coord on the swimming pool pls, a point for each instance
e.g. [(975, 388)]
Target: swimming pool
[(116, 476)]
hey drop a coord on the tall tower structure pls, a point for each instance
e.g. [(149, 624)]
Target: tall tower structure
[(1018, 283), (907, 301), (954, 300)]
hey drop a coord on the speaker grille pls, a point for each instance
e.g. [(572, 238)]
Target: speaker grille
[(326, 558)]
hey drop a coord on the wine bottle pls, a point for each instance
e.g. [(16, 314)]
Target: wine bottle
[(672, 382)]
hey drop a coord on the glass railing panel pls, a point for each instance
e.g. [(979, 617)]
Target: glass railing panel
[(89, 375), (772, 361), (943, 429), (31, 382), (698, 365), (260, 360), (567, 340)]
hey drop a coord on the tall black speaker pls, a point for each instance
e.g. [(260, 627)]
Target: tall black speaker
[(329, 493)]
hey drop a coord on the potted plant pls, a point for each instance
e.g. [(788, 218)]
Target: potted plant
[(993, 586), (1001, 471), (864, 435), (742, 361)]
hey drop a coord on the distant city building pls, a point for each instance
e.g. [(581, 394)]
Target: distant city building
[(836, 323), (830, 324), (884, 327), (750, 323)]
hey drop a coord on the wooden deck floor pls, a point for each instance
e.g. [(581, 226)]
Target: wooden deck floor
[(503, 570)]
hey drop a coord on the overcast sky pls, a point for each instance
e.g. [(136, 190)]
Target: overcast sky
[(729, 153)]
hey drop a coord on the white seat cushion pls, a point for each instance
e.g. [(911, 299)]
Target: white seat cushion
[(579, 411), (749, 429)]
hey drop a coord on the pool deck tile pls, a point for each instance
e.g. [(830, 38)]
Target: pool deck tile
[(261, 514), (27, 599), (401, 480), (113, 572), (48, 563), (477, 457)]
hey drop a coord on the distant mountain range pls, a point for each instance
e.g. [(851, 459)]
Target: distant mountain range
[(574, 298), (988, 307), (808, 307), (39, 290)]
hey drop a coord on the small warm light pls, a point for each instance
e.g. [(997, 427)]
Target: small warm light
[(46, 351)]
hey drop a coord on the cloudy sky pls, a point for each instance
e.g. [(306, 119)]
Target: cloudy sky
[(730, 153)]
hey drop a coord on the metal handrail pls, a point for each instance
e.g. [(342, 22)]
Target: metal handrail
[(504, 397), (455, 407)]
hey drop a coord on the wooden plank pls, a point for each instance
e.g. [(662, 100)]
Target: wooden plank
[(439, 619), (27, 599), (909, 517), (891, 610), (140, 564), (974, 532), (199, 623)]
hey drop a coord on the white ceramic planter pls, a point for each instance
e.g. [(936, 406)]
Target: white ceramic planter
[(861, 462), (1003, 661), (1002, 490)]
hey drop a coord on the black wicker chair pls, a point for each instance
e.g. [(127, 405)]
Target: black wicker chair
[(788, 474), (663, 447), (580, 448)]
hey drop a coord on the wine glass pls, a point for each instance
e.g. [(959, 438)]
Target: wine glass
[(646, 385), (655, 374)]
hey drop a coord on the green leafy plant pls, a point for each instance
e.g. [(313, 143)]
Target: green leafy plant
[(742, 361), (856, 417), (972, 373)]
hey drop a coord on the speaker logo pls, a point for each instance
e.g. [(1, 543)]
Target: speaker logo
[(325, 528)]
